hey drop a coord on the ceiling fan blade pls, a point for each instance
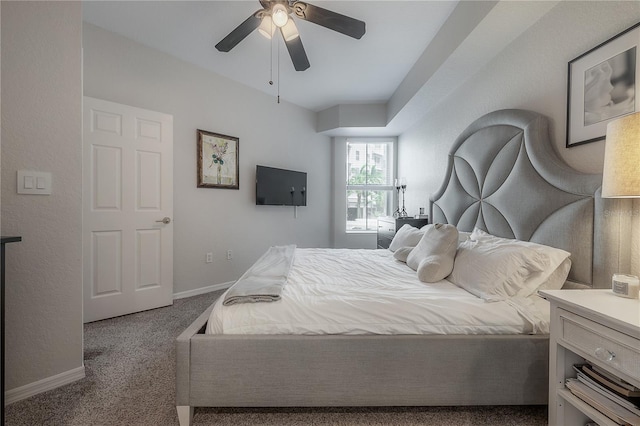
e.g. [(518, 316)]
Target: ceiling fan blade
[(239, 33), (297, 53), (328, 19)]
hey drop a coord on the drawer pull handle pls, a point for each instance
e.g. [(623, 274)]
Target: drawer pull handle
[(605, 355)]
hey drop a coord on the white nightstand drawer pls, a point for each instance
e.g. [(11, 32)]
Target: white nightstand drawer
[(617, 350)]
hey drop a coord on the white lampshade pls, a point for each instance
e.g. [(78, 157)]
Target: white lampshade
[(266, 27), (279, 15), (289, 31), (621, 174)]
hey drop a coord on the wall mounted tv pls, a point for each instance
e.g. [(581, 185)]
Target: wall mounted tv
[(279, 187)]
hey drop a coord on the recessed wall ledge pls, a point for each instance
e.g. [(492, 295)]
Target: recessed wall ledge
[(351, 117)]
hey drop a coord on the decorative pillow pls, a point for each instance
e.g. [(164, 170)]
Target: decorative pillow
[(407, 236), (433, 256), (402, 253), (495, 268)]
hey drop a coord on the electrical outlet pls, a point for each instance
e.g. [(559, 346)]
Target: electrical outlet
[(229, 254), (209, 257)]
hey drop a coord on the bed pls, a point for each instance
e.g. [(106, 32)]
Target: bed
[(503, 156)]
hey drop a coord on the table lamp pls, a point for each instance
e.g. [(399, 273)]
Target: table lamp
[(621, 179)]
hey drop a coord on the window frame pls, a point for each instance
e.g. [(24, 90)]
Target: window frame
[(392, 142)]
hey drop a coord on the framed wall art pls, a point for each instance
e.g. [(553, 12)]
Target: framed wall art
[(602, 87), (218, 157)]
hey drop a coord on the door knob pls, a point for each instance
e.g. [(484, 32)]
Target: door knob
[(165, 220)]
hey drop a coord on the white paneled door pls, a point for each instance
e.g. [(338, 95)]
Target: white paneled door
[(127, 237)]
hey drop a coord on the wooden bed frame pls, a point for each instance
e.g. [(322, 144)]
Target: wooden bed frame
[(501, 155)]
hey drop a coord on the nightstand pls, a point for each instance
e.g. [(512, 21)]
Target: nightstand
[(388, 226), (593, 326)]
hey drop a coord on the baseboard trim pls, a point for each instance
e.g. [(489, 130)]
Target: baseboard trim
[(26, 391), (202, 290)]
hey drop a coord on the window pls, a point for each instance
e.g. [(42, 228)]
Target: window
[(370, 173)]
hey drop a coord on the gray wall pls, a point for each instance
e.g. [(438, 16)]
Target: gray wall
[(531, 73), (41, 130), (216, 220), (42, 91)]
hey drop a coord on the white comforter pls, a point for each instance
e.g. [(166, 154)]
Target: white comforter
[(340, 291)]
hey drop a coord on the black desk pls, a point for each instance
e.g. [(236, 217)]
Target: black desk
[(3, 241)]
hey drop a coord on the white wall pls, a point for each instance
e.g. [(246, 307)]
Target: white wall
[(41, 130), (531, 73), (216, 220)]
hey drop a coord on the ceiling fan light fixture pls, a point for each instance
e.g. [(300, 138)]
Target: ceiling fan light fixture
[(289, 31), (278, 12), (266, 28), (279, 15)]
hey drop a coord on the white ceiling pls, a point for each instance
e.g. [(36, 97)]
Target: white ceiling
[(343, 70)]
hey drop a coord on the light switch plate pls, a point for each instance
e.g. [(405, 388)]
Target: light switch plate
[(34, 183)]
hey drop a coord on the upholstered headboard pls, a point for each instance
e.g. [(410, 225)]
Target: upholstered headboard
[(504, 176)]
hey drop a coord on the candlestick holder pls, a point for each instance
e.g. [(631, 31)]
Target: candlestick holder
[(396, 213), (403, 187)]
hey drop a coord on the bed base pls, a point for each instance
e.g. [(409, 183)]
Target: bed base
[(318, 371)]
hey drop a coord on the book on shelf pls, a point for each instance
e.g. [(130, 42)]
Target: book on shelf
[(626, 388), (625, 402), (611, 382), (606, 406)]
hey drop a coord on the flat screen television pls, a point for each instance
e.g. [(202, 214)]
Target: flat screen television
[(280, 187)]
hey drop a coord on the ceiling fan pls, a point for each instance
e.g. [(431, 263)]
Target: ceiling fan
[(275, 14)]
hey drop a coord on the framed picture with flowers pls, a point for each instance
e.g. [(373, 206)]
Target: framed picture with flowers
[(218, 160)]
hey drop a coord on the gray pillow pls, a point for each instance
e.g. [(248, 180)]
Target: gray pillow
[(434, 255)]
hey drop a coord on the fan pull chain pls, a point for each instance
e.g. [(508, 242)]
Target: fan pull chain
[(271, 66), (271, 58)]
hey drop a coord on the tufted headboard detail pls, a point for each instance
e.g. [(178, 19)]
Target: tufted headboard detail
[(504, 176)]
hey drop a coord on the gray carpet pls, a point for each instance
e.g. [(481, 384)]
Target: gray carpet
[(130, 372)]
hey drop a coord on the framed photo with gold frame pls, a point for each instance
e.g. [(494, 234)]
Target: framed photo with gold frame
[(218, 163), (602, 87)]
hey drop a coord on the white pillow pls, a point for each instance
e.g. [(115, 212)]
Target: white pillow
[(557, 278), (495, 268), (407, 236), (402, 253), (463, 236), (555, 257), (494, 271), (478, 234), (434, 255)]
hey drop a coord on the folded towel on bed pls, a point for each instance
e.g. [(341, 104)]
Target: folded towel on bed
[(263, 282)]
